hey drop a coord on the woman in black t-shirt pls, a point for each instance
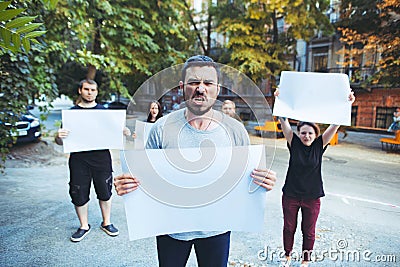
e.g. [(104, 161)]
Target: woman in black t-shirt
[(303, 185)]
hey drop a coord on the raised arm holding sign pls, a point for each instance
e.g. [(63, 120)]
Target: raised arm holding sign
[(308, 97)]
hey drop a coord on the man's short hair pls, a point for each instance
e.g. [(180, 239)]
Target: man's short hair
[(227, 102), (199, 61), (89, 81)]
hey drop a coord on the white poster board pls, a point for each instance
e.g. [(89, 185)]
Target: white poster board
[(93, 129), (314, 97), (189, 201), (142, 130)]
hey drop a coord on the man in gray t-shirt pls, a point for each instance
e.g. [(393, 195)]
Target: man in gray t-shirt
[(198, 124), (174, 131)]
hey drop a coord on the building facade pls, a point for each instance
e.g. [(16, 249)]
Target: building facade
[(375, 103)]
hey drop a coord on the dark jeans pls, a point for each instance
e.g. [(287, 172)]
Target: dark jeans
[(309, 210), (210, 252)]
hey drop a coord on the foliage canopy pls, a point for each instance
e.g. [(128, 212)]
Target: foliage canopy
[(375, 25)]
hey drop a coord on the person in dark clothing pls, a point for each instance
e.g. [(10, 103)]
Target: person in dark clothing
[(303, 186), (86, 166)]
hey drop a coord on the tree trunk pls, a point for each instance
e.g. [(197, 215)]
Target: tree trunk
[(275, 28), (91, 74), (209, 23), (96, 49), (195, 27)]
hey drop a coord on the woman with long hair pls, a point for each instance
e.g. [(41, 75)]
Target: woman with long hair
[(155, 111), (303, 185)]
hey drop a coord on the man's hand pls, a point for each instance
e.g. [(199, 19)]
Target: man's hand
[(126, 131), (264, 178), (62, 133), (125, 183)]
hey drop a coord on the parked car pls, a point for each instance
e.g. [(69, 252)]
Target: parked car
[(26, 129), (115, 105)]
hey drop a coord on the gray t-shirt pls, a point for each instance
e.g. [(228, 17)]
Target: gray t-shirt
[(173, 131)]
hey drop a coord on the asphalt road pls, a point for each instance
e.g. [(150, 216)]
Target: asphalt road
[(359, 223)]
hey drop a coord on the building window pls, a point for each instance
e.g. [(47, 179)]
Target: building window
[(320, 60), (384, 117), (354, 111)]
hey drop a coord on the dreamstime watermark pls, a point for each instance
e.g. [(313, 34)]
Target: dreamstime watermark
[(339, 252)]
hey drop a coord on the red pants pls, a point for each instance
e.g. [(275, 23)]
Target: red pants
[(309, 211)]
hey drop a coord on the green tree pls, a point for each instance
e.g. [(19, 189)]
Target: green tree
[(20, 47), (262, 33), (350, 51), (174, 35), (379, 25), (119, 43), (118, 38)]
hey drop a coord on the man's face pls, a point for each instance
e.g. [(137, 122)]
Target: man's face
[(200, 89), (228, 109), (88, 92)]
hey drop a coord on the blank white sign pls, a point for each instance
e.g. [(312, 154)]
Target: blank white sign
[(93, 129), (178, 199), (314, 97)]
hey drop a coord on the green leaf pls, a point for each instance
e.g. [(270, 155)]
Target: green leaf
[(2, 32), (18, 22), (16, 39), (6, 36), (4, 5), (34, 34), (34, 41), (10, 13), (28, 28), (8, 47), (51, 4), (26, 44)]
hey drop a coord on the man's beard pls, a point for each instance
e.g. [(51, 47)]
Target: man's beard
[(87, 101), (198, 112)]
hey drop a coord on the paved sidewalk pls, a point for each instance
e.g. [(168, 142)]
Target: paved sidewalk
[(364, 139), (38, 217)]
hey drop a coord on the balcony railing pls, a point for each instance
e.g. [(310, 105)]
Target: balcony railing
[(356, 75)]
